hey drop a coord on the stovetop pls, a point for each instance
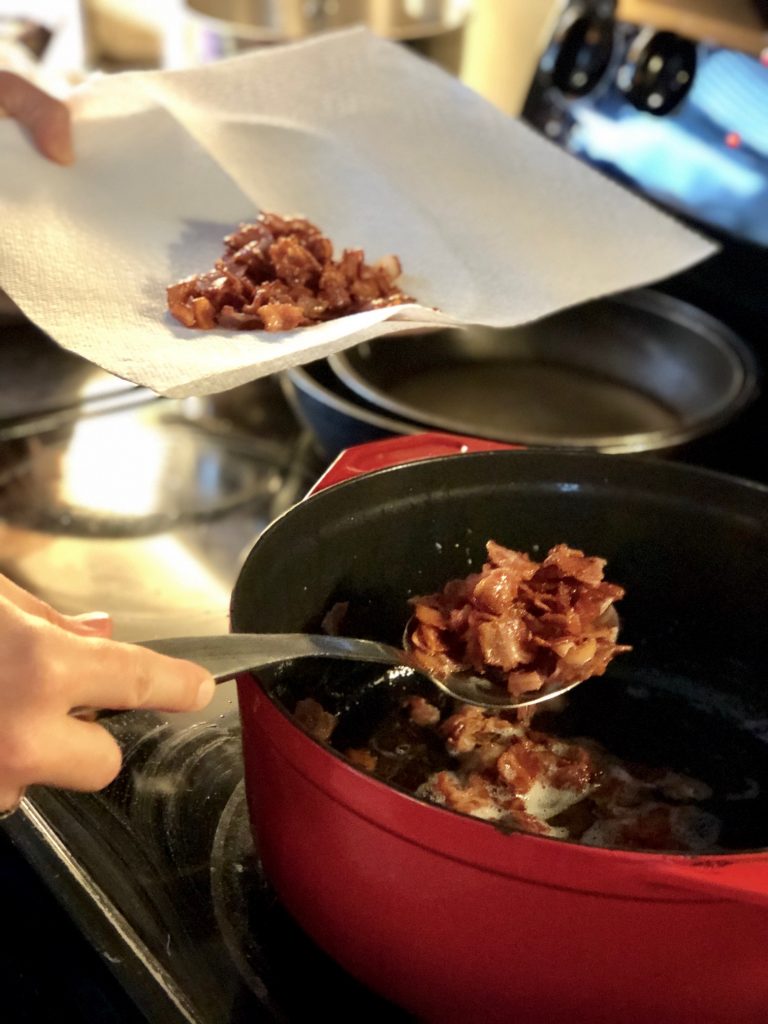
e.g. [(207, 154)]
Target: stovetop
[(113, 498), (159, 871)]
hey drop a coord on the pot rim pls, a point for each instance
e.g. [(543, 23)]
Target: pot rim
[(299, 377)]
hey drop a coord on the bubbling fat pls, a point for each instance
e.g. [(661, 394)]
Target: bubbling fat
[(691, 829), (501, 770)]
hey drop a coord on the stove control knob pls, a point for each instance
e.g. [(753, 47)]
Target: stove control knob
[(581, 47), (658, 71)]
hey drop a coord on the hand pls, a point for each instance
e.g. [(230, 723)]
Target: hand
[(52, 663), (46, 119)]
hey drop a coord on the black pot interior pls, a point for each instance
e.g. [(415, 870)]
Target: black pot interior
[(691, 548)]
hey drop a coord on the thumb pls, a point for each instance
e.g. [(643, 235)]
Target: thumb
[(45, 118)]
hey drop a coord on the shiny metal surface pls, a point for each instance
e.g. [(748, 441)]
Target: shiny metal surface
[(50, 387), (176, 581), (132, 473), (147, 512), (231, 653), (264, 21), (638, 372)]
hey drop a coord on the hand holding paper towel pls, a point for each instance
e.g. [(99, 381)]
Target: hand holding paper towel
[(383, 151)]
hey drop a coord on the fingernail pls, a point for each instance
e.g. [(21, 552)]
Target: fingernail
[(62, 153), (92, 622), (56, 141), (204, 694)]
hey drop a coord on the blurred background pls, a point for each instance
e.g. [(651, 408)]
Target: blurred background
[(670, 95)]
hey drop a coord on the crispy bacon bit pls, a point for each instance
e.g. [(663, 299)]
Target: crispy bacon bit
[(333, 620), (470, 794), (521, 622), (475, 731), (522, 763), (421, 712), (506, 772), (313, 717), (279, 273), (364, 759)]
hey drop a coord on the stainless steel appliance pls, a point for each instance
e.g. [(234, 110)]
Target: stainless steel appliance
[(112, 497), (210, 29), (682, 120)]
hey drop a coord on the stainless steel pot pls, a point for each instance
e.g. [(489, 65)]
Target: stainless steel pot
[(638, 372), (220, 28)]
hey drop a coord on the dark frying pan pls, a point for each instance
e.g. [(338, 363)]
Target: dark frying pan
[(443, 913)]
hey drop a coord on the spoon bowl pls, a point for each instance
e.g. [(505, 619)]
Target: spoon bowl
[(475, 689)]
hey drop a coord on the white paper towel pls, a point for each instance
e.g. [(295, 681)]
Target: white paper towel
[(493, 224)]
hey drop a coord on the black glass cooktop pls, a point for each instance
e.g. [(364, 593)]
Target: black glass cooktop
[(161, 875)]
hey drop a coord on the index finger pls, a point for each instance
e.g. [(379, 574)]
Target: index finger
[(122, 676), (85, 623)]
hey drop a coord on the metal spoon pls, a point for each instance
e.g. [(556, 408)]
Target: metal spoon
[(232, 653), (228, 655)]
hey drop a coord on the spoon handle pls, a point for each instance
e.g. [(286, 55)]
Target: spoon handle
[(227, 655)]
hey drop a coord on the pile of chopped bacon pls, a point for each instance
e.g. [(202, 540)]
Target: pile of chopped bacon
[(279, 273), (519, 622)]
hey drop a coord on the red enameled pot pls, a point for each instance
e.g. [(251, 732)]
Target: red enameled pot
[(444, 914)]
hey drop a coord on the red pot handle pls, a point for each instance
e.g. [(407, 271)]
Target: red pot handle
[(394, 451)]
